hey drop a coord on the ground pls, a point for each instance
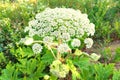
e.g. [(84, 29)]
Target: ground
[(112, 46)]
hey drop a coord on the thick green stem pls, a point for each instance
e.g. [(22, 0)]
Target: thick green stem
[(52, 52)]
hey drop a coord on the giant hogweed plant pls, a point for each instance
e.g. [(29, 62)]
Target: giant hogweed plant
[(53, 46), (60, 30)]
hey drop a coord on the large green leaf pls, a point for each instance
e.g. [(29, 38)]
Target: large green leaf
[(116, 75), (10, 73), (22, 52), (86, 68), (47, 58), (73, 69), (103, 72), (117, 55)]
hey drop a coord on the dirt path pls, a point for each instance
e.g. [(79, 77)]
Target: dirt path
[(112, 46)]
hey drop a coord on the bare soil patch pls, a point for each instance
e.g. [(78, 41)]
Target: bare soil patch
[(99, 48)]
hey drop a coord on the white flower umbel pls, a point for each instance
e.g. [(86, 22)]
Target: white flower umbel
[(75, 43), (27, 29), (80, 32), (47, 39), (37, 48), (56, 34), (90, 30), (33, 23), (58, 69), (71, 32), (65, 37), (32, 32), (88, 42), (62, 48), (57, 22)]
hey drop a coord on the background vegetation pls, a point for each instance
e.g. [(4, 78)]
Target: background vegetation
[(15, 15)]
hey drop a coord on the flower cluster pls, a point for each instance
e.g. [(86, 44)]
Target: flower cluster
[(37, 48), (60, 30), (59, 69), (62, 48), (63, 24), (76, 43), (62, 21), (88, 42)]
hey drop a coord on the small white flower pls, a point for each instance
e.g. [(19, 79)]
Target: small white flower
[(37, 48), (22, 40), (32, 32), (28, 41), (63, 29), (80, 32), (33, 23), (40, 32), (60, 21), (88, 42), (76, 43), (65, 36), (71, 32), (27, 29), (92, 29), (38, 16), (62, 48), (47, 39), (48, 29), (56, 34), (76, 24)]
